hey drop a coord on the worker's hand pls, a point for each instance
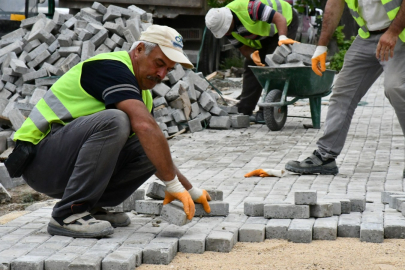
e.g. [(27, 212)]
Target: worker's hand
[(201, 196), (175, 190), (256, 58), (285, 40), (386, 46), (319, 60), (266, 173)]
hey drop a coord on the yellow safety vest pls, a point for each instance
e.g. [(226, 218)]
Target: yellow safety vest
[(391, 7), (67, 100), (240, 8)]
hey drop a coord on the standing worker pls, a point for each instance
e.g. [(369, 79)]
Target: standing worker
[(78, 143), (251, 27), (378, 47)]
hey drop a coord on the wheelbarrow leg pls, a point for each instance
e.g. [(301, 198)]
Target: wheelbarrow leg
[(315, 105)]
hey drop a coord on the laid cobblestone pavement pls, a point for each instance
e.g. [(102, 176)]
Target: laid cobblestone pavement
[(372, 161)]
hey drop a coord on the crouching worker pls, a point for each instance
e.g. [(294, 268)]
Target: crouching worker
[(92, 140)]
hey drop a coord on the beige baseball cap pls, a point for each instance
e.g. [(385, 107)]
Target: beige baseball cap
[(169, 41)]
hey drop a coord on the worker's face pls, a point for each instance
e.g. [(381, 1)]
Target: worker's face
[(151, 68)]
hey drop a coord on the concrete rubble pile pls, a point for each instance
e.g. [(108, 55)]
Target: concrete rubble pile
[(185, 100), (35, 55), (295, 55)]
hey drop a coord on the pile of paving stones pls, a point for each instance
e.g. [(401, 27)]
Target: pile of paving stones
[(34, 56), (295, 55), (185, 99)]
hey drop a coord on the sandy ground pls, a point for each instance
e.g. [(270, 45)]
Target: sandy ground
[(344, 253)]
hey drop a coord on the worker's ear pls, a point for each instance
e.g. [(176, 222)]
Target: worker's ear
[(140, 49)]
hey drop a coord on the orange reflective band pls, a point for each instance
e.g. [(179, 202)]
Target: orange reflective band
[(17, 17)]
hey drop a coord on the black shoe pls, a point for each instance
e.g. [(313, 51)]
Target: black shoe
[(313, 164), (258, 118)]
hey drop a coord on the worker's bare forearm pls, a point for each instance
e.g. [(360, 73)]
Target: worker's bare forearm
[(186, 184), (150, 136), (281, 24), (157, 150), (246, 51), (398, 24), (331, 17)]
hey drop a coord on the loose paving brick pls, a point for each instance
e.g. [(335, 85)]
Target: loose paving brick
[(285, 211), (277, 228), (307, 197), (300, 230), (349, 225), (321, 210), (325, 228), (252, 233)]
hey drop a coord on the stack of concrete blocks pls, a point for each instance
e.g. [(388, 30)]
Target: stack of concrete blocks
[(394, 214), (295, 55), (34, 56), (184, 99), (310, 218), (173, 212)]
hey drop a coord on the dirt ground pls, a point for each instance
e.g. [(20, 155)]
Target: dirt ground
[(344, 253), (21, 197)]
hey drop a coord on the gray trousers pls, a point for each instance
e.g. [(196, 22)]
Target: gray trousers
[(91, 162), (360, 70)]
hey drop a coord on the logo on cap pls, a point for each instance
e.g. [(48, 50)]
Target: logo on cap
[(178, 42)]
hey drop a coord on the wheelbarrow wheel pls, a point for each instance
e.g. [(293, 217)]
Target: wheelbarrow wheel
[(275, 117)]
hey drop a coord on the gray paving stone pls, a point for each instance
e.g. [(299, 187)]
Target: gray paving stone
[(28, 262), (394, 225), (385, 195), (252, 233), (285, 211), (372, 232), (153, 207), (174, 214), (349, 225), (156, 191), (119, 260), (160, 251), (306, 197), (325, 228), (192, 243), (219, 241), (277, 228), (254, 209), (300, 230), (321, 210)]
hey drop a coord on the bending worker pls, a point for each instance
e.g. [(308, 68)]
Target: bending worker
[(251, 26), (82, 142), (379, 46)]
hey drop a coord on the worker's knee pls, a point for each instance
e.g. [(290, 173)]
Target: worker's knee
[(117, 122), (394, 91)]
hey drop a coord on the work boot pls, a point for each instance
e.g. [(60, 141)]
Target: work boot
[(79, 225), (313, 164), (117, 219), (258, 117)]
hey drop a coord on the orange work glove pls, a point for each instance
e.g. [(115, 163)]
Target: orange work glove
[(256, 58), (285, 40), (319, 59), (201, 196), (175, 190), (266, 173)]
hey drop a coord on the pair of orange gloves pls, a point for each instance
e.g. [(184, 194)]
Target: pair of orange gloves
[(318, 59), (175, 190)]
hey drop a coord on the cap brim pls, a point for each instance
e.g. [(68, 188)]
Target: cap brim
[(176, 56)]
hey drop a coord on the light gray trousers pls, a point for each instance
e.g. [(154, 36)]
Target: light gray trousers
[(360, 70), (89, 163)]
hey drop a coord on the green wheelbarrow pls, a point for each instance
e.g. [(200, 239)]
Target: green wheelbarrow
[(297, 82)]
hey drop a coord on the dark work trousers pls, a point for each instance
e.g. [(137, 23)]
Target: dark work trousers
[(252, 89), (91, 162)]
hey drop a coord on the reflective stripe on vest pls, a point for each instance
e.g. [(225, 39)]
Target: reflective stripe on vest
[(390, 6), (67, 100), (260, 28)]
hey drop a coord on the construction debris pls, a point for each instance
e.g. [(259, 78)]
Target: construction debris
[(34, 56)]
